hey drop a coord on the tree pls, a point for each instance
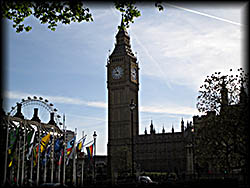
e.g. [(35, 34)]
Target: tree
[(210, 98), (221, 139), (64, 12)]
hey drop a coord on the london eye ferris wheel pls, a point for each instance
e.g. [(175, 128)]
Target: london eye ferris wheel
[(37, 107)]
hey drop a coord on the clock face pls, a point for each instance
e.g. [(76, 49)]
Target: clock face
[(133, 72), (117, 72)]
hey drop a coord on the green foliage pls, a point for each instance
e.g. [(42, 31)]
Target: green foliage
[(46, 12), (221, 139), (129, 12), (159, 6), (64, 12), (209, 98)]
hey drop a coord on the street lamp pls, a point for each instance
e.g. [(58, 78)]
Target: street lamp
[(132, 107), (94, 136)]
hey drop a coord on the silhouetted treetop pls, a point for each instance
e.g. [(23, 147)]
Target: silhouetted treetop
[(64, 12)]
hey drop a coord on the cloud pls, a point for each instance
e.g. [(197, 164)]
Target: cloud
[(169, 109), (56, 99), (180, 110), (97, 104), (183, 50), (204, 14)]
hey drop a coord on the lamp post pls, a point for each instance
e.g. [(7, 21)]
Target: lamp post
[(74, 159), (82, 163), (132, 107), (94, 136)]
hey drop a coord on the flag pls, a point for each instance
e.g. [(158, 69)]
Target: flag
[(69, 150), (13, 139), (44, 142), (58, 144), (30, 136), (43, 145), (61, 156), (46, 155), (11, 149), (70, 146), (35, 154), (30, 141), (80, 144), (90, 151), (58, 147), (10, 163)]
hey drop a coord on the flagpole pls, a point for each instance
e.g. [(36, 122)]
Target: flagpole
[(16, 152), (52, 153), (59, 167), (74, 162), (45, 168), (24, 142), (82, 164), (31, 166), (94, 136), (30, 149), (19, 153), (38, 157), (6, 150), (64, 149)]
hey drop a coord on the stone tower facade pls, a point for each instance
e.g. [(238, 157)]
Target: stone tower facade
[(123, 86), (153, 152)]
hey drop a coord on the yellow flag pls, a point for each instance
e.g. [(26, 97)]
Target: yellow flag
[(10, 163), (44, 142), (79, 147)]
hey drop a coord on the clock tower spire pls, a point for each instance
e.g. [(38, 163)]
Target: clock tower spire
[(123, 86)]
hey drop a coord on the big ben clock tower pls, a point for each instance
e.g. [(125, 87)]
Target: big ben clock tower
[(123, 86)]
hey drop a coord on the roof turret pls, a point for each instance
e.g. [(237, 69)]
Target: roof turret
[(122, 46)]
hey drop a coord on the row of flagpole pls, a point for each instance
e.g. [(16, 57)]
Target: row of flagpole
[(26, 145)]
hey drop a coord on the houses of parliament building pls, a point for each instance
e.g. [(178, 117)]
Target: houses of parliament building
[(127, 150)]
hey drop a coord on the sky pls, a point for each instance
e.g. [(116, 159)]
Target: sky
[(176, 49)]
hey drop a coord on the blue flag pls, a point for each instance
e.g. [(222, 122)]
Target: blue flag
[(58, 144)]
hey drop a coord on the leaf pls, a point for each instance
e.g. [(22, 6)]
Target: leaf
[(44, 11), (159, 6), (28, 28)]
